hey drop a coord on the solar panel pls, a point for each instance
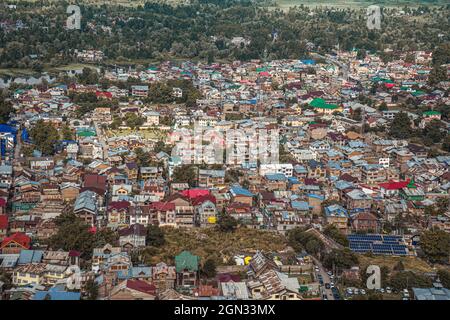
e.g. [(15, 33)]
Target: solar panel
[(378, 244)]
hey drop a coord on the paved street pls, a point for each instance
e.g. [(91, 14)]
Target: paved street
[(101, 138), (325, 277)]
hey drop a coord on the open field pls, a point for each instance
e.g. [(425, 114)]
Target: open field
[(14, 73), (212, 243), (153, 134), (17, 72), (68, 67)]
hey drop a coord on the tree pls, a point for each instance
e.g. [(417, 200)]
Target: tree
[(116, 123), (383, 107), (6, 109), (209, 268), (155, 236), (227, 223), (340, 259), (88, 76), (133, 120), (408, 279), (437, 74), (185, 173), (91, 290), (74, 234), (399, 266), (435, 244), (401, 126), (301, 240), (333, 232), (67, 133), (361, 54), (142, 157), (161, 146), (357, 115), (44, 135), (444, 276), (433, 133)]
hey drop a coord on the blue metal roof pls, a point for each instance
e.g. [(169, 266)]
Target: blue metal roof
[(300, 205), (239, 191), (30, 256), (54, 294), (276, 177)]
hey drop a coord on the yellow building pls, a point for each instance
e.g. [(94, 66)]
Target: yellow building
[(28, 274)]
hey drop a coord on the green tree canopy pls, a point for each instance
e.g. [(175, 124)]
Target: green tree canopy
[(44, 135), (155, 236), (435, 244), (227, 223), (401, 126), (209, 268), (6, 109)]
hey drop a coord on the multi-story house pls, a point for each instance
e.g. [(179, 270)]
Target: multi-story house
[(211, 178), (187, 267)]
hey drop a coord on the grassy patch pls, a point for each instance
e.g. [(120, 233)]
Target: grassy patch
[(304, 278), (411, 263), (14, 73), (152, 134), (72, 66), (210, 243)]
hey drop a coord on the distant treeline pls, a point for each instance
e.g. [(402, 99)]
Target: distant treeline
[(203, 29)]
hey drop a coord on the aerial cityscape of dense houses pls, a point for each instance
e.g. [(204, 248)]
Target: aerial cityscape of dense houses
[(337, 166)]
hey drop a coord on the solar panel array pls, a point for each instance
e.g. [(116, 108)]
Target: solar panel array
[(378, 244)]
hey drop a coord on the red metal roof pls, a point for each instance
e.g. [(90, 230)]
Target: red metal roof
[(119, 205), (20, 238), (162, 206), (141, 286), (199, 200), (194, 193), (3, 221), (392, 185), (103, 94), (95, 180)]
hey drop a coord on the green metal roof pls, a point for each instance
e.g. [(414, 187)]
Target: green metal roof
[(320, 103), (186, 261), (86, 134), (431, 113)]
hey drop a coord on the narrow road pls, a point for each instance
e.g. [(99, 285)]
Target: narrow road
[(18, 146), (325, 277), (101, 138)]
